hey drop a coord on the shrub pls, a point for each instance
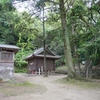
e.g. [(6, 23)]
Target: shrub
[(61, 70), (21, 65)]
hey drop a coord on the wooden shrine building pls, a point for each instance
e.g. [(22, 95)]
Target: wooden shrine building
[(7, 53), (36, 60)]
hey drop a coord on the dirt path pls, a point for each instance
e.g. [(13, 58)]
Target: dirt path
[(55, 91)]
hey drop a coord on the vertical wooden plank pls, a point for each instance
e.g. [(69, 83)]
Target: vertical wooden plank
[(35, 64), (0, 55), (54, 65), (28, 66)]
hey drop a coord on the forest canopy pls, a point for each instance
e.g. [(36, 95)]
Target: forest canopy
[(72, 30)]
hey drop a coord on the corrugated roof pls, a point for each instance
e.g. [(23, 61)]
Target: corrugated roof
[(9, 46)]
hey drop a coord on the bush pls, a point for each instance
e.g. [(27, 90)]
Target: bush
[(22, 70), (19, 62), (60, 62), (21, 65), (61, 70)]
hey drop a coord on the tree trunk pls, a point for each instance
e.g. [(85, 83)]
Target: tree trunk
[(68, 55), (77, 60), (88, 68), (45, 59), (75, 50), (44, 46)]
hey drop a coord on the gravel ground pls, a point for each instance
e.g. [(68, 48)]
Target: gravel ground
[(55, 91)]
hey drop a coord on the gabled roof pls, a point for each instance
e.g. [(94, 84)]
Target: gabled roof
[(40, 50), (38, 54), (9, 47)]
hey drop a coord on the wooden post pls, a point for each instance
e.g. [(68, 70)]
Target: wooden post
[(0, 55), (39, 71), (42, 69)]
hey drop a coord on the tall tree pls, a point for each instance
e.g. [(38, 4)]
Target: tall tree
[(68, 55), (62, 6), (44, 45), (85, 20)]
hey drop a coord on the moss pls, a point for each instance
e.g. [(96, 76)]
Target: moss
[(18, 87), (61, 70), (82, 84)]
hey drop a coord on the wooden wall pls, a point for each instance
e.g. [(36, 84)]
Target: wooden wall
[(50, 64), (35, 64), (31, 64)]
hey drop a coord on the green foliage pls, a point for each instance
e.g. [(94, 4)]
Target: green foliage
[(86, 37), (20, 70), (7, 32), (15, 27), (19, 62), (5, 1), (95, 6), (26, 32), (60, 62)]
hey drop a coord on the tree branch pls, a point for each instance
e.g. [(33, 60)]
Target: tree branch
[(53, 2), (69, 4), (84, 21), (93, 18), (65, 1)]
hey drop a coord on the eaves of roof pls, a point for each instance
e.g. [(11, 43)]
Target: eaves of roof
[(6, 46), (42, 56)]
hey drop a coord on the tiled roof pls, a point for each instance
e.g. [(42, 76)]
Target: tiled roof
[(9, 46), (40, 50)]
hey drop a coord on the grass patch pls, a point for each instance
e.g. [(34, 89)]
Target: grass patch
[(82, 84), (25, 84), (61, 70), (18, 87), (20, 70)]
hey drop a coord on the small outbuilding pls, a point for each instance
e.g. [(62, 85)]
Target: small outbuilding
[(36, 60), (7, 53)]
